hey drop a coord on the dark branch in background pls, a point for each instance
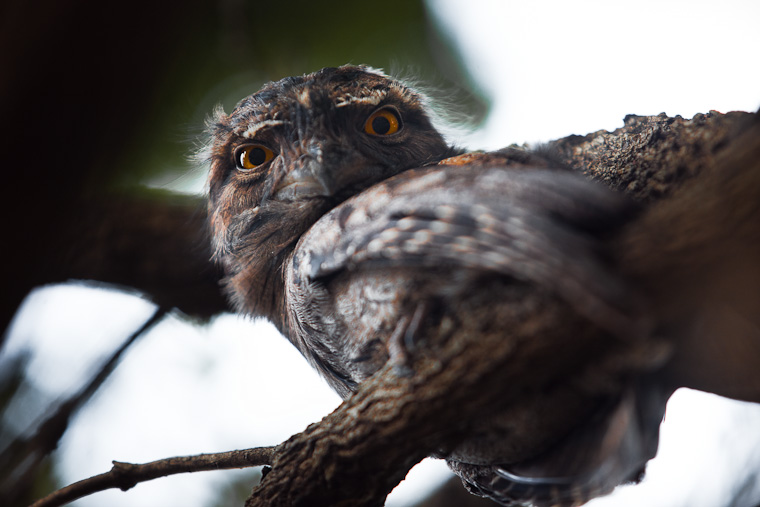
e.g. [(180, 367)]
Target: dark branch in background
[(23, 456), (126, 475), (156, 243)]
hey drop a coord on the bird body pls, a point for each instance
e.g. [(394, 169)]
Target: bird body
[(340, 214), (409, 264)]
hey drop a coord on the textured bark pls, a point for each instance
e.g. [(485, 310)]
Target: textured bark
[(696, 254), (697, 244), (357, 454), (650, 156)]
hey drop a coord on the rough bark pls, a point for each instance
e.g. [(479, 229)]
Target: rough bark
[(358, 453), (650, 156)]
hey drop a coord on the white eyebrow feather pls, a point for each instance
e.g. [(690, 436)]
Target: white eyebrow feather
[(373, 99), (303, 97), (253, 129)]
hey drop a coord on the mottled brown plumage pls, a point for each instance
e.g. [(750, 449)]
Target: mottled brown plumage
[(340, 214)]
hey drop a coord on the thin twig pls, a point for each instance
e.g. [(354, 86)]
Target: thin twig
[(26, 454), (126, 475)]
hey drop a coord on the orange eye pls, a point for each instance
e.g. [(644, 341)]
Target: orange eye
[(252, 156), (382, 122)]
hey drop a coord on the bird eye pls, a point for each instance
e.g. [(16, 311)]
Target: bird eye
[(382, 122), (252, 156)]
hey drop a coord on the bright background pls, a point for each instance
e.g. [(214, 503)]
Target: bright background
[(546, 69)]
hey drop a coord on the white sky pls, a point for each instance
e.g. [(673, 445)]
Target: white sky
[(550, 72), (555, 68)]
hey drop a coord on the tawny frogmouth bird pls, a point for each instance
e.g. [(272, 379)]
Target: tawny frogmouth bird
[(341, 214)]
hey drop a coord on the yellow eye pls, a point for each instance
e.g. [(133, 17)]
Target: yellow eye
[(252, 156), (382, 122)]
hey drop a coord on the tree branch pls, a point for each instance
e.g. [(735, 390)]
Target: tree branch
[(153, 242), (23, 456), (359, 453), (126, 475)]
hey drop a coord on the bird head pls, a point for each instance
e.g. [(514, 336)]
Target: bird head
[(294, 150)]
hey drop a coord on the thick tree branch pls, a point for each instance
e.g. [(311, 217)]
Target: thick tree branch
[(696, 254), (357, 454), (652, 156), (154, 242), (126, 475)]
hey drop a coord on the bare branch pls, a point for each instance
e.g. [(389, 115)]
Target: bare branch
[(126, 475), (23, 456)]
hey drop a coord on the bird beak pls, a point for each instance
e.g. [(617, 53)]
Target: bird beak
[(303, 183), (323, 170)]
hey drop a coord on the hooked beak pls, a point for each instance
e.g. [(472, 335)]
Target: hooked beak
[(304, 182), (327, 170), (324, 171)]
